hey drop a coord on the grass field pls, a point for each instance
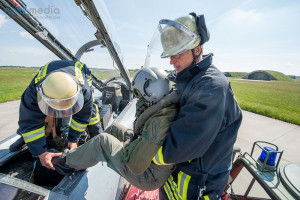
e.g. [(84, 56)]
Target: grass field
[(105, 74), (13, 82), (279, 100)]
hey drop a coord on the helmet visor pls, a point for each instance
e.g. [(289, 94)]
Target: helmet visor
[(60, 108), (170, 38), (175, 38)]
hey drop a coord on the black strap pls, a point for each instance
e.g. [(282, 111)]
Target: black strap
[(194, 54)]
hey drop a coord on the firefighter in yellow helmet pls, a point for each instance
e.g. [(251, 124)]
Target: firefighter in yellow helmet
[(60, 95), (61, 89), (60, 92)]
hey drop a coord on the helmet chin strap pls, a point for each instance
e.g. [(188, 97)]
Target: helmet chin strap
[(194, 54)]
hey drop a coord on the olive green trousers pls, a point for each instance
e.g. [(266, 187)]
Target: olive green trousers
[(108, 147)]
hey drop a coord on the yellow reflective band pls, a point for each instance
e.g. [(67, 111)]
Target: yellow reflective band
[(177, 191), (34, 135), (155, 159), (78, 72), (168, 191), (90, 80), (174, 187), (206, 197), (159, 158), (42, 73), (97, 109), (77, 3), (94, 120), (183, 182), (77, 126), (76, 64), (81, 66)]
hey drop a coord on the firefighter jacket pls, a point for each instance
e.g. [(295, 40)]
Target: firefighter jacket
[(201, 140), (31, 119)]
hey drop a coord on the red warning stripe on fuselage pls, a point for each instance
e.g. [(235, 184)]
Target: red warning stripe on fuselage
[(135, 194)]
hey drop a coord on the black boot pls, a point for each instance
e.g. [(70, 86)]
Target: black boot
[(59, 164), (17, 145)]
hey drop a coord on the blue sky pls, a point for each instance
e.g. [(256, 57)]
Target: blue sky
[(245, 35)]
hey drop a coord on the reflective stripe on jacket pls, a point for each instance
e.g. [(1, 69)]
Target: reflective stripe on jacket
[(31, 119), (201, 140)]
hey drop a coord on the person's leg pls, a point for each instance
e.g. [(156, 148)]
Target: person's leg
[(107, 148), (119, 131)]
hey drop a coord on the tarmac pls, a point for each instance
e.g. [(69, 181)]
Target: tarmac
[(254, 127)]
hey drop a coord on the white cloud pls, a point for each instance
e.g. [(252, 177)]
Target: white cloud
[(97, 60), (290, 65), (243, 18), (238, 26), (26, 35), (251, 16), (3, 20), (133, 46)]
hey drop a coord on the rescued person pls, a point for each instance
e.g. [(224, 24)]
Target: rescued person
[(156, 109)]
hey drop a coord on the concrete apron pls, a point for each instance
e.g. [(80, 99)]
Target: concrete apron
[(9, 116), (254, 128)]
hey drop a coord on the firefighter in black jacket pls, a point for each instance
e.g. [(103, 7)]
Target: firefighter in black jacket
[(201, 139), (60, 89)]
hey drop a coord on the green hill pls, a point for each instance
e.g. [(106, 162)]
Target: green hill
[(279, 76), (235, 74)]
